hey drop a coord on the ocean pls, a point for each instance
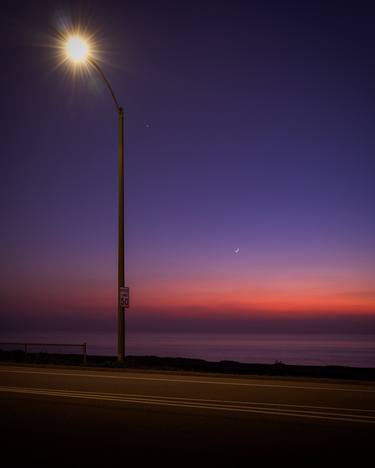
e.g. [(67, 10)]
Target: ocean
[(305, 349)]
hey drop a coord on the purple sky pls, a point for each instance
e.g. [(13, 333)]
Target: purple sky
[(248, 125)]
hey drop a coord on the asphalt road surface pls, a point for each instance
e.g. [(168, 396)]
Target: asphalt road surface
[(81, 417)]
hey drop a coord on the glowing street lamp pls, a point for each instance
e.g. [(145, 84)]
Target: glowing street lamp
[(77, 50)]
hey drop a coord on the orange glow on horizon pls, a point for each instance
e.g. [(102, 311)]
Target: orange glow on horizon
[(280, 296), (297, 296)]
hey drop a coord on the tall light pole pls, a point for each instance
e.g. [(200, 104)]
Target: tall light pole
[(78, 51)]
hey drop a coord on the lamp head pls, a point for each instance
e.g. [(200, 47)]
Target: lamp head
[(77, 49)]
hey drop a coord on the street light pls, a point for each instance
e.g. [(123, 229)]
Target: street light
[(77, 50)]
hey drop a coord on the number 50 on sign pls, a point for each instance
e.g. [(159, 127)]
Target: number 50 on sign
[(124, 297)]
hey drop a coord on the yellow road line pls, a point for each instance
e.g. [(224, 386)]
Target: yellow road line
[(210, 382)]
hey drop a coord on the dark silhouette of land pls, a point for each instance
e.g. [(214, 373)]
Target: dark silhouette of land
[(193, 365)]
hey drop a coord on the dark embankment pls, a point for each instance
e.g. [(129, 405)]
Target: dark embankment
[(191, 365)]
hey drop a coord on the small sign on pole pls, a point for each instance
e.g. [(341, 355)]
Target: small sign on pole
[(124, 297)]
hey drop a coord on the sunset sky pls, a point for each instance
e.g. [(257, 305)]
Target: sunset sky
[(248, 125)]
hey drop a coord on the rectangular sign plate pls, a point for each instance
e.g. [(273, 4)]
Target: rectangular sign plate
[(124, 297)]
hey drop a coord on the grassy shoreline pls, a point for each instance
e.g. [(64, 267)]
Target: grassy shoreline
[(180, 364)]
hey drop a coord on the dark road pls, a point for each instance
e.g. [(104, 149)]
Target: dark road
[(66, 417)]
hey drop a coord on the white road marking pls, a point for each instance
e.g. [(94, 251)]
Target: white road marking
[(210, 400), (209, 382), (186, 403)]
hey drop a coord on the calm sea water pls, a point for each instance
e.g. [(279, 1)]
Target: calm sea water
[(314, 349)]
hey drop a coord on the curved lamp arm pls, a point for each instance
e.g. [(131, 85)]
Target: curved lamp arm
[(96, 66)]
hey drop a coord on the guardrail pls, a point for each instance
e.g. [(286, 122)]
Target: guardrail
[(27, 346)]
